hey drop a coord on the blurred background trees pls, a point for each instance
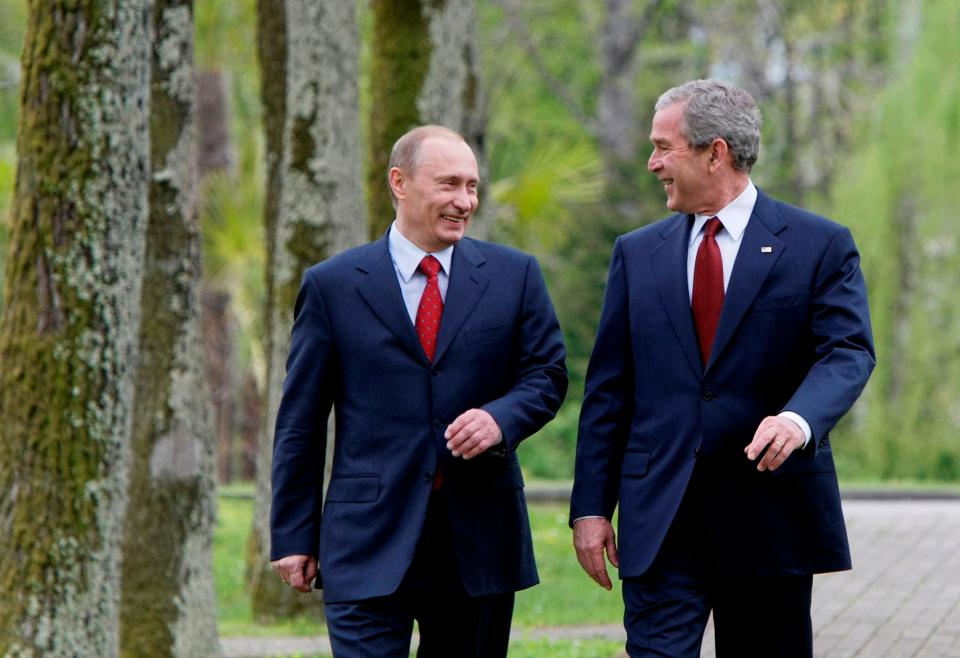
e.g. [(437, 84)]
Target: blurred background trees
[(861, 122)]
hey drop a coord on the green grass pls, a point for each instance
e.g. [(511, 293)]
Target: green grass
[(566, 596), (540, 648)]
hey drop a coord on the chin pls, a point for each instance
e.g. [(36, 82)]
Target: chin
[(454, 233)]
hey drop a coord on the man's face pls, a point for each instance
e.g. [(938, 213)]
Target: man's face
[(436, 200), (682, 169)]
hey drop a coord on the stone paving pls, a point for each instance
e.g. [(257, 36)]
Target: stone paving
[(902, 600)]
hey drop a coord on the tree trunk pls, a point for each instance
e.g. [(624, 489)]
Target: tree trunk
[(167, 605), (309, 53), (425, 69), (618, 129), (68, 335)]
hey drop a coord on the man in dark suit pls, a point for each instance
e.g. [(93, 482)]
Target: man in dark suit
[(733, 337), (439, 355)]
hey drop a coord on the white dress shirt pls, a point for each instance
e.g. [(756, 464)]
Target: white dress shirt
[(406, 258), (734, 217)]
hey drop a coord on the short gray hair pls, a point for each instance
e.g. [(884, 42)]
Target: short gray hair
[(718, 109), (406, 150)]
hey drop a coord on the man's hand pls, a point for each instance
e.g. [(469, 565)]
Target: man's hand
[(781, 436), (472, 433), (298, 571), (591, 537)]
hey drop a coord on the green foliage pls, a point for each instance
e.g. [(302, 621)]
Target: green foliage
[(226, 36), (550, 452), (900, 195), (539, 198), (12, 25), (13, 19), (234, 257)]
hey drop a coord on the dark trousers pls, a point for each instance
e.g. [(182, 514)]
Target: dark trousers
[(452, 623), (666, 609)]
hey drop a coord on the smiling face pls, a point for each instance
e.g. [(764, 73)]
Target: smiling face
[(684, 171), (436, 200)]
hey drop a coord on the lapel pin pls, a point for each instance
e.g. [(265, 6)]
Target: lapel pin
[(766, 250)]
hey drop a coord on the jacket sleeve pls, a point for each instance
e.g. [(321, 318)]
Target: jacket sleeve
[(843, 342), (299, 447), (607, 403), (541, 374)]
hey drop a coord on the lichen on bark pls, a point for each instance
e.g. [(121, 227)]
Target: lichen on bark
[(69, 327), (167, 602)]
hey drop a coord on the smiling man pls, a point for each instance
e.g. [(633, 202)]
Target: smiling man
[(439, 355), (733, 337)]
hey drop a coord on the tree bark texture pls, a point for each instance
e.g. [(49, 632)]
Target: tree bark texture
[(425, 69), (309, 52), (68, 335), (168, 606)]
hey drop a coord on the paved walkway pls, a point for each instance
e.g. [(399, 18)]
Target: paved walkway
[(902, 600)]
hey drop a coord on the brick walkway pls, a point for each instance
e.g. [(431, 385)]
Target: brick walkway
[(902, 600)]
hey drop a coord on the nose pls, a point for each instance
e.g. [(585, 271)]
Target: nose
[(653, 163), (463, 200)]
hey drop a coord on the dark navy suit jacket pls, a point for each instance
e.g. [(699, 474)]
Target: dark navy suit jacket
[(354, 348), (794, 335)]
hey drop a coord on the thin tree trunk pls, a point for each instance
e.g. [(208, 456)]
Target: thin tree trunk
[(425, 69), (168, 606), (618, 128), (309, 52), (68, 335)]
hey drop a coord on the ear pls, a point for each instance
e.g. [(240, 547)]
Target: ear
[(398, 182), (719, 153)]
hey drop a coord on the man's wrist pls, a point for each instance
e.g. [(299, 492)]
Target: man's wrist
[(800, 422)]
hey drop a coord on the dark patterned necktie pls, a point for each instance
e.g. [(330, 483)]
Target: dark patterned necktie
[(707, 300)]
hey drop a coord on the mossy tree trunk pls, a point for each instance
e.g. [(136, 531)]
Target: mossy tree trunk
[(168, 606), (68, 334), (425, 69), (314, 209)]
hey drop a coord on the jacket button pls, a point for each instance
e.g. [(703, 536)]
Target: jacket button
[(428, 477), (438, 423), (708, 395)]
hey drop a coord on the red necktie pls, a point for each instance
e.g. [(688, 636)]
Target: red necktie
[(428, 322), (708, 288), (431, 307)]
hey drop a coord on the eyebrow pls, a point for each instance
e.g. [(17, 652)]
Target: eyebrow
[(451, 178)]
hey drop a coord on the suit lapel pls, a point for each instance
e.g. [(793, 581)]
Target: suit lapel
[(760, 251), (466, 285), (669, 259), (381, 290)]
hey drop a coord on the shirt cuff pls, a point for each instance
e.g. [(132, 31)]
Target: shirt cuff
[(589, 516), (801, 423)]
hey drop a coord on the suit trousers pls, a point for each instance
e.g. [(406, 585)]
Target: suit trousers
[(666, 609), (452, 623)]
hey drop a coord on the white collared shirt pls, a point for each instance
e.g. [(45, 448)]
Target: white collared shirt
[(406, 258), (734, 217)]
